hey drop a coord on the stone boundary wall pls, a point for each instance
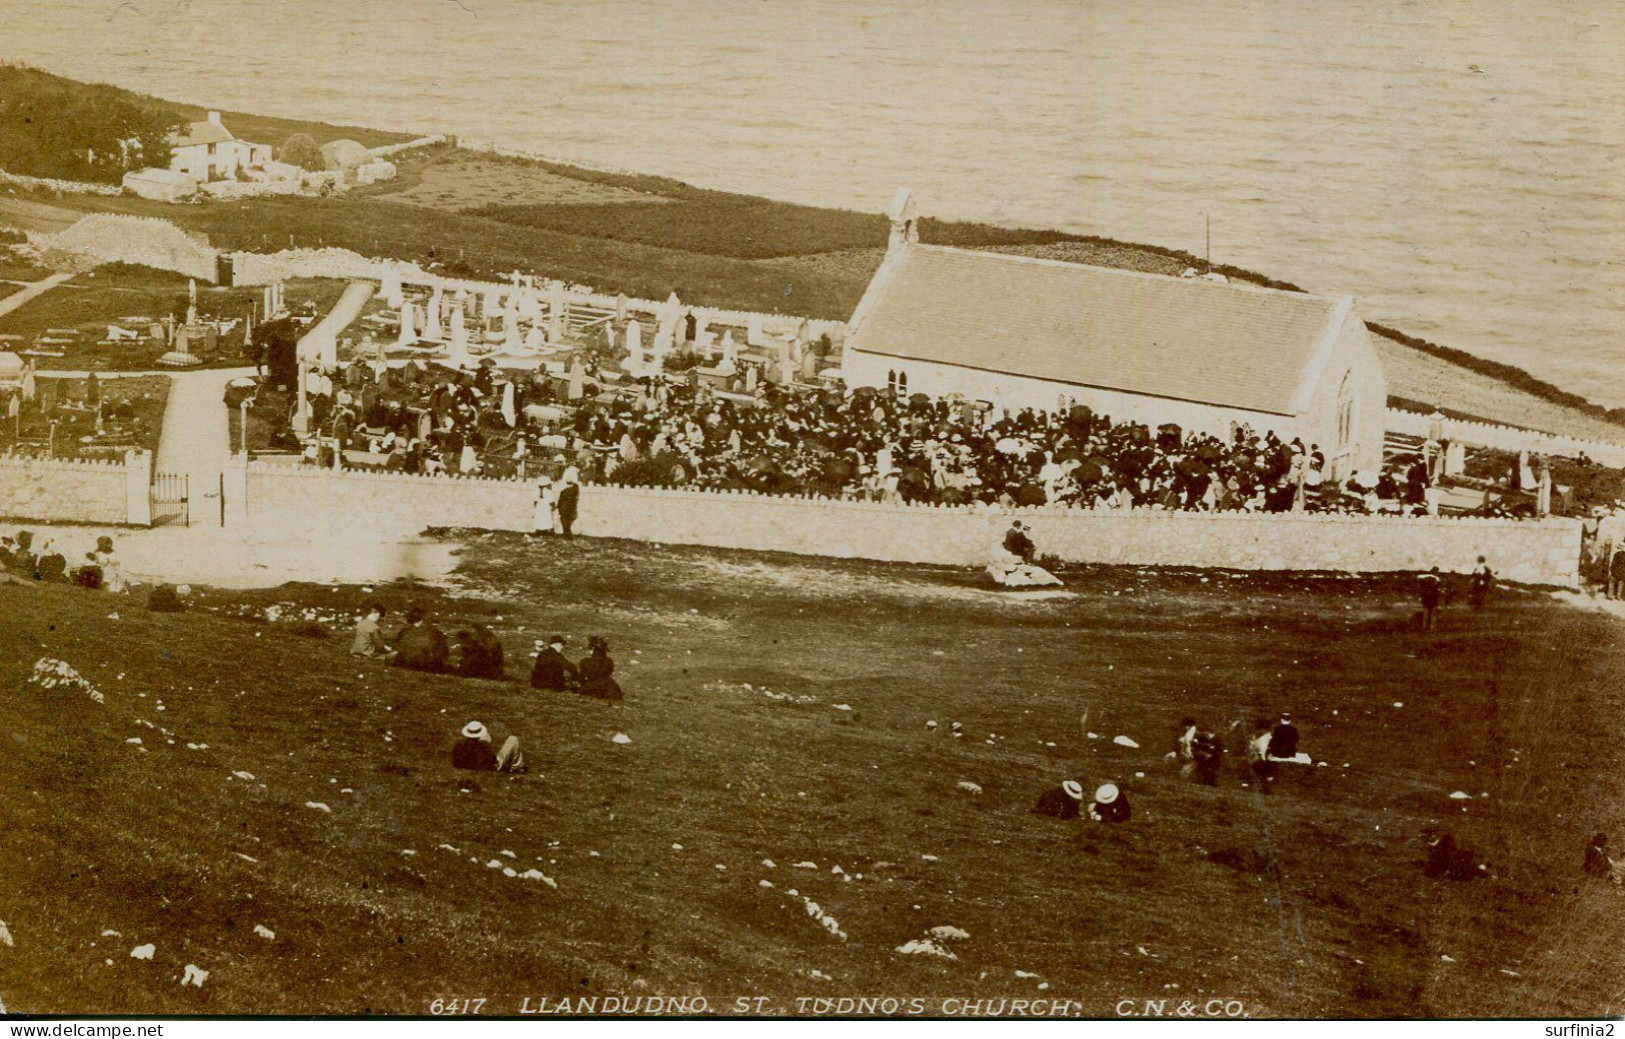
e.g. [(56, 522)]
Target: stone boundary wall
[(1509, 438), (1545, 552), (286, 495), (328, 262), (231, 190), (77, 492), (385, 150), (69, 187)]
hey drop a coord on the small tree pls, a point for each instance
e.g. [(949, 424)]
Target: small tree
[(300, 150)]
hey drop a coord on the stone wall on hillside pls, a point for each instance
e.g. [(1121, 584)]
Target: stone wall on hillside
[(69, 187), (1545, 552), (328, 262), (77, 492)]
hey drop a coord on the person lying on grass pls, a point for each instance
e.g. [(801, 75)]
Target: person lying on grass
[(474, 752)]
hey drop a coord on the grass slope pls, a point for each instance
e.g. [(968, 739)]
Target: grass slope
[(1311, 901)]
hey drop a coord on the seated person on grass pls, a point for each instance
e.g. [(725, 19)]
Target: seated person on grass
[(369, 636), (1061, 802), (479, 653), (474, 752), (421, 646)]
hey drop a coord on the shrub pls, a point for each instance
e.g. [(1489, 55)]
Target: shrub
[(300, 150)]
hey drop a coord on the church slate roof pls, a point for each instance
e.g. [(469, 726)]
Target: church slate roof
[(1180, 338)]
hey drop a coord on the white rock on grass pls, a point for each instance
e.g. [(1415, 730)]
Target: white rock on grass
[(536, 874), (1124, 741), (194, 975), (769, 864), (265, 932), (1461, 795), (5, 935), (805, 865), (969, 787), (925, 947), (949, 931), (143, 952), (620, 737), (318, 806)]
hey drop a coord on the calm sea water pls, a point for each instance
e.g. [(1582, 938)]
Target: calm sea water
[(1458, 166)]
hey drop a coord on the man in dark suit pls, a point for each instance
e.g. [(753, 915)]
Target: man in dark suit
[(567, 502), (1430, 589), (1283, 744), (553, 670)]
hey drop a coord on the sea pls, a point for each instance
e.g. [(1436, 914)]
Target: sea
[(1458, 165)]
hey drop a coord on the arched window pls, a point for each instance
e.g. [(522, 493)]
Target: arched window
[(1345, 410), (902, 384), (891, 380)]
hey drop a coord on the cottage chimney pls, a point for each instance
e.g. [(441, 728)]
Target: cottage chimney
[(214, 117), (905, 229)]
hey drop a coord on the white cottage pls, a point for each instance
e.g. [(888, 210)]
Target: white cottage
[(207, 151), (1016, 332)]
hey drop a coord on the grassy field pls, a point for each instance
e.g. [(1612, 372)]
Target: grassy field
[(115, 293), (456, 179), (776, 710)]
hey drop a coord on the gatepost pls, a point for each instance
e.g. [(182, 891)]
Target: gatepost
[(234, 491), (138, 488)]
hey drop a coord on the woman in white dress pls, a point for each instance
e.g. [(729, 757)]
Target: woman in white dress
[(546, 498), (107, 559)]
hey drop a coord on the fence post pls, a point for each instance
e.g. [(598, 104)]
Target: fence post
[(138, 488)]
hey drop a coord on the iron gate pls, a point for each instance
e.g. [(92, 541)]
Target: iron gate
[(171, 499)]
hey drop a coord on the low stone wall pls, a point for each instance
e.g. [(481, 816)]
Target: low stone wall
[(386, 150), (77, 492), (328, 262), (68, 187), (304, 496), (1545, 552)]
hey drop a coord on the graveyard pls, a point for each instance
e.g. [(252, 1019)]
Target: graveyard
[(105, 319)]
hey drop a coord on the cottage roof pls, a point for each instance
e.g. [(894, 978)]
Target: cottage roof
[(1179, 338), (201, 132)]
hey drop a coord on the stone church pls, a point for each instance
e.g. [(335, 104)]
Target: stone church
[(1015, 332)]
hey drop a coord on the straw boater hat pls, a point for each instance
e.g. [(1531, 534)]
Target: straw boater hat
[(475, 731), (1106, 794), (1073, 788)]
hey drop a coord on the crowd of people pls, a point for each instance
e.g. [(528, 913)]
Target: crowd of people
[(21, 559), (863, 444)]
